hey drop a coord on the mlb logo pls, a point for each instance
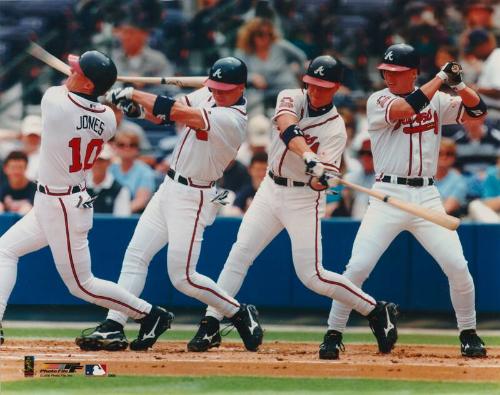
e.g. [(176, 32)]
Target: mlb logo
[(96, 369)]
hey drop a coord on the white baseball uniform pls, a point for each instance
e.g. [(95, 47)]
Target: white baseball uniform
[(408, 148), (178, 214), (297, 208), (73, 132)]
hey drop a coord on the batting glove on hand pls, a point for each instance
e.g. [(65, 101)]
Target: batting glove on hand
[(314, 167), (454, 75), (114, 96), (132, 109)]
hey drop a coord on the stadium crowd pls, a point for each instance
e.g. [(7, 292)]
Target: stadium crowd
[(275, 39)]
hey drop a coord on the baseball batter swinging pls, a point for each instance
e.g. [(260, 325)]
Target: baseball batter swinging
[(216, 119), (307, 128), (74, 128), (404, 123)]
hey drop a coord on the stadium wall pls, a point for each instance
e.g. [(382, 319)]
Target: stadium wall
[(405, 274)]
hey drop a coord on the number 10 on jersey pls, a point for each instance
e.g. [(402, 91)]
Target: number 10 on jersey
[(92, 151)]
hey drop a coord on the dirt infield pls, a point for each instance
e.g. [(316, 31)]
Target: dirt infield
[(412, 362)]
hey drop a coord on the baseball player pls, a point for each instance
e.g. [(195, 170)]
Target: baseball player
[(74, 128), (216, 119), (404, 123), (306, 128)]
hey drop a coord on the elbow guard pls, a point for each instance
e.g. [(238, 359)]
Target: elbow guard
[(417, 100), (290, 133), (162, 107), (477, 111)]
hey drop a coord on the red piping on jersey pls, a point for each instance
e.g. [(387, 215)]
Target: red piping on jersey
[(302, 113), (321, 123), (285, 110), (182, 145), (241, 112), (436, 123), (73, 269), (411, 154), (187, 101), (420, 152), (206, 119), (460, 112), (189, 258), (387, 110), (316, 258), (281, 160), (85, 108)]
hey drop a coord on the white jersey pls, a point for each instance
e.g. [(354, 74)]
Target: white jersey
[(204, 154), (325, 135), (74, 130), (409, 147)]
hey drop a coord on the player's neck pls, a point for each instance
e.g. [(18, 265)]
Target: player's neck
[(87, 96), (318, 111)]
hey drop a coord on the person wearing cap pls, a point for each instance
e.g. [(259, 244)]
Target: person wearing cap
[(31, 131), (306, 129), (112, 197), (482, 45), (215, 120), (404, 125)]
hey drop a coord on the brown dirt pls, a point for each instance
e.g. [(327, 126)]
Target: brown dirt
[(411, 362)]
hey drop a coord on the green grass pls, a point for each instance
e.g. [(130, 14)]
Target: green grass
[(184, 335), (79, 385)]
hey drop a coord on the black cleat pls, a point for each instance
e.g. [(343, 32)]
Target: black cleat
[(208, 335), (108, 336), (2, 338), (246, 321), (471, 344), (383, 324), (332, 345), (152, 326)]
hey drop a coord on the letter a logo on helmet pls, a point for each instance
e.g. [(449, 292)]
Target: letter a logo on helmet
[(320, 71), (388, 56), (217, 73)]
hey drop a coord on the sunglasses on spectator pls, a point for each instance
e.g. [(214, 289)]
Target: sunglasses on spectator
[(127, 145), (447, 153)]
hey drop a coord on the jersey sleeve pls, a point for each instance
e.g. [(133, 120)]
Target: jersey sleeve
[(110, 123), (451, 108), (287, 103), (377, 111), (227, 124)]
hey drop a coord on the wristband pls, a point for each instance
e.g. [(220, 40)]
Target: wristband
[(417, 100), (441, 74), (290, 133), (162, 107), (477, 111), (459, 87)]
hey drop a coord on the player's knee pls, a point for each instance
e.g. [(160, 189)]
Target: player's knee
[(180, 282), (356, 273), (135, 257), (461, 279)]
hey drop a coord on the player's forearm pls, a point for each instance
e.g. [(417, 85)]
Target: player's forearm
[(401, 108), (298, 146), (147, 100), (469, 97), (189, 116)]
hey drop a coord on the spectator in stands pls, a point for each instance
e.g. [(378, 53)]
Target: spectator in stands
[(487, 209), (477, 143), (112, 197), (31, 131), (258, 138), (135, 57), (449, 182), (482, 45), (357, 202), (18, 192), (257, 171), (273, 64), (138, 177)]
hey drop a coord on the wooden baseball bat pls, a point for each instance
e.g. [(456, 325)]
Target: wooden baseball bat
[(436, 217), (183, 82)]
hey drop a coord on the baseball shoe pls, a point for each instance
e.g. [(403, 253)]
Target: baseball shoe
[(332, 345), (383, 324), (152, 326), (471, 344), (208, 335), (246, 321), (108, 336), (2, 339)]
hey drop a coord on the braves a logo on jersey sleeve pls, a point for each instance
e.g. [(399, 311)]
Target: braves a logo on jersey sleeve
[(420, 123)]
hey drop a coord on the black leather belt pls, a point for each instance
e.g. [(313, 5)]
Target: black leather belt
[(70, 191), (186, 181), (412, 182), (286, 182)]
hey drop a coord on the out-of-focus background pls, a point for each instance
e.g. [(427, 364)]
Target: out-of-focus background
[(276, 39)]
